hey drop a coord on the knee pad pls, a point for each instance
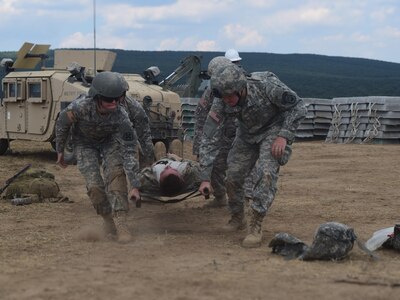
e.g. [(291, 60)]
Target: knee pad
[(117, 182)]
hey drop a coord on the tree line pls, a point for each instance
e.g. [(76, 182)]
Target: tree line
[(310, 75)]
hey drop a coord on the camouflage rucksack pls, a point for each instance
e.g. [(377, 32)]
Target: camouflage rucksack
[(40, 185)]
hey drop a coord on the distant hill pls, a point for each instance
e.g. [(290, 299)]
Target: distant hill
[(311, 76)]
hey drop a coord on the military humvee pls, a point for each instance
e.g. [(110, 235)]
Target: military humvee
[(32, 100)]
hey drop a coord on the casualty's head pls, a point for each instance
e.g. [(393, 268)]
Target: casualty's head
[(171, 182)]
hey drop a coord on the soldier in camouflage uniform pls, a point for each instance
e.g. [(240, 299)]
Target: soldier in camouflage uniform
[(220, 165), (103, 136), (268, 114), (170, 176)]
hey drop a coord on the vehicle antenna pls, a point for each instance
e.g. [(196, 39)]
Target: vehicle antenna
[(94, 38)]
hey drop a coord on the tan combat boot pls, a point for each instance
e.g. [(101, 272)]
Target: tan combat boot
[(109, 225), (236, 223), (254, 236), (123, 233), (217, 202), (160, 151)]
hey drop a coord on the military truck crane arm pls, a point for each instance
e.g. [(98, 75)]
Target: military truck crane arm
[(190, 66)]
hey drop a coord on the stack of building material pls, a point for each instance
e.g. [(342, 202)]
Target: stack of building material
[(372, 119), (188, 116), (318, 119)]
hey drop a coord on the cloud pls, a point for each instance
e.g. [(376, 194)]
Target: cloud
[(192, 11), (293, 20), (242, 36), (359, 37), (8, 10), (260, 3), (167, 44), (340, 27), (390, 32), (383, 13), (207, 45), (77, 40)]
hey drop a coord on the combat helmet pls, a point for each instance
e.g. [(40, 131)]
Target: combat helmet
[(332, 241), (216, 63), (108, 84), (228, 80)]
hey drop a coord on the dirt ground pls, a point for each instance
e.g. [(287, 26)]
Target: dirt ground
[(54, 250)]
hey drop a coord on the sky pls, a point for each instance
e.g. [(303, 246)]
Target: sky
[(351, 28)]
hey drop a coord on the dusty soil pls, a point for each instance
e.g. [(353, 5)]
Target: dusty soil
[(54, 250)]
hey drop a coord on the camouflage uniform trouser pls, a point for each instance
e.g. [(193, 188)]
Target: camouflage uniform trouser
[(108, 195), (218, 174), (241, 159)]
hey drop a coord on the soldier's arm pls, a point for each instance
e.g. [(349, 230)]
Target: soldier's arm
[(212, 133), (291, 106), (66, 118), (129, 142), (141, 123), (202, 109), (292, 120)]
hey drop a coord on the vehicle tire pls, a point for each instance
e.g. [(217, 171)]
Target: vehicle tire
[(176, 147), (3, 146), (160, 151)]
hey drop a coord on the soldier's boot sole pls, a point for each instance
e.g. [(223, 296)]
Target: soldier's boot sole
[(176, 147), (252, 240), (160, 151)]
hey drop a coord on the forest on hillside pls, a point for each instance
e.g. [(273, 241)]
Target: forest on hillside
[(310, 75)]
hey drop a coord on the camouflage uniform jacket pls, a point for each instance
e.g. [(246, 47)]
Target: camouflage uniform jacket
[(270, 108), (202, 110), (190, 175), (141, 123), (90, 128)]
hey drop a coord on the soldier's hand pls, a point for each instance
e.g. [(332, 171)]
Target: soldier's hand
[(205, 189), (60, 160), (278, 147), (134, 195)]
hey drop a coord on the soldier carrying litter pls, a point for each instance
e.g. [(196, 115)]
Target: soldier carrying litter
[(220, 164), (103, 136), (268, 115)]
